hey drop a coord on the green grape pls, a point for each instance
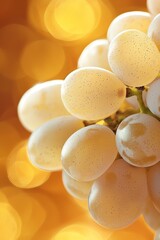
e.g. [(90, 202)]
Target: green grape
[(134, 58), (46, 142), (153, 176), (92, 93), (154, 30), (40, 104), (153, 97), (75, 188), (117, 198), (138, 138), (95, 55), (89, 152), (129, 20)]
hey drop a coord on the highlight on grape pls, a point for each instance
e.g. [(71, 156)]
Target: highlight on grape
[(99, 126)]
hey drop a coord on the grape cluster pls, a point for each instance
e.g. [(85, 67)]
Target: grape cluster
[(108, 150)]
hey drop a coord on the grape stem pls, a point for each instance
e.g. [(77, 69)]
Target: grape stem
[(114, 120), (133, 91), (137, 91)]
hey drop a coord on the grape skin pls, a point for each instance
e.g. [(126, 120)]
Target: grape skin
[(157, 237), (92, 93), (117, 198), (46, 142), (129, 20), (153, 97), (136, 140), (134, 58), (154, 30), (95, 55), (40, 104), (153, 6), (89, 152), (153, 177), (151, 215), (75, 188)]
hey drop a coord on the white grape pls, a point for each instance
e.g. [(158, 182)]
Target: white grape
[(46, 142), (89, 152), (41, 103), (151, 215), (153, 6), (157, 236), (154, 30), (153, 97), (129, 20), (117, 198), (92, 93), (138, 138), (153, 176), (75, 188), (95, 55), (134, 58)]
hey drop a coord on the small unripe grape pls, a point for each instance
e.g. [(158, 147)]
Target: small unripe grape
[(95, 55), (153, 176), (75, 188), (154, 30), (40, 104), (46, 142), (153, 97), (134, 58), (92, 93), (129, 20), (89, 152), (117, 198), (138, 138)]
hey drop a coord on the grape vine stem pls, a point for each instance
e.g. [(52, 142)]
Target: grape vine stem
[(137, 91)]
